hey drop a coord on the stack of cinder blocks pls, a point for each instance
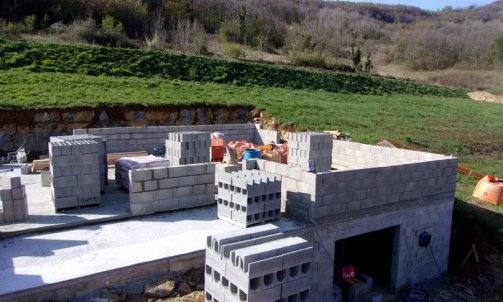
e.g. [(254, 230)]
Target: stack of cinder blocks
[(314, 147), (102, 152), (191, 147), (171, 188), (249, 197), (257, 264), (75, 167), (13, 199)]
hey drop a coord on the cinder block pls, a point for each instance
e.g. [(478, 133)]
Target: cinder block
[(91, 179), (65, 202), (143, 197), (168, 183), (64, 191), (140, 174), (5, 194), (136, 187), (169, 205), (150, 185), (143, 208), (161, 172), (64, 181), (45, 176), (11, 182)]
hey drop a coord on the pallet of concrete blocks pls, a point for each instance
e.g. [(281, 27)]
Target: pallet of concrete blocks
[(190, 147), (310, 151), (249, 197), (257, 264), (75, 173), (102, 151), (13, 200), (125, 164)]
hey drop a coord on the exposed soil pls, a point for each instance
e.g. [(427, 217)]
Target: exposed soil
[(33, 127), (486, 97)]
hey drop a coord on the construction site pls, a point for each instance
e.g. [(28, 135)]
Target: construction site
[(329, 220)]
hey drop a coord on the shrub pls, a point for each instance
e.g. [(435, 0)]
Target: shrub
[(234, 51), (81, 30), (132, 14), (307, 58), (57, 28), (15, 28), (201, 43), (110, 24), (30, 22)]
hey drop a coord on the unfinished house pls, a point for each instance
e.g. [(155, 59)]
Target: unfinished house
[(353, 219)]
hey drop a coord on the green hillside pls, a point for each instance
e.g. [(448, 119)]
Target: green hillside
[(90, 60)]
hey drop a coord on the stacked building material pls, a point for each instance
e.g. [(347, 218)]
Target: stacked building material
[(13, 200), (257, 264), (171, 188), (310, 151), (191, 147), (125, 164), (249, 197), (102, 152), (75, 169)]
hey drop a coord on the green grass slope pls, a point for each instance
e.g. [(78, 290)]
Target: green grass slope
[(90, 60), (442, 125)]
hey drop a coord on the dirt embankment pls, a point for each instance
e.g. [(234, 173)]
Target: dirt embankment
[(33, 127)]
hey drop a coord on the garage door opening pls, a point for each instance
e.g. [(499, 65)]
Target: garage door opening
[(368, 254)]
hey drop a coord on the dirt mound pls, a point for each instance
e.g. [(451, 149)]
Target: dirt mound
[(486, 97)]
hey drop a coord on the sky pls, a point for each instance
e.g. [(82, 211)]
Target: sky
[(431, 4)]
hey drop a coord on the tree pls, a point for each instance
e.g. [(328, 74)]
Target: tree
[(356, 57), (242, 23)]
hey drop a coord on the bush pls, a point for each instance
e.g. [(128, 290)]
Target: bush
[(57, 28), (30, 22), (86, 30), (201, 43), (234, 51), (15, 28), (307, 58), (132, 14), (110, 24)]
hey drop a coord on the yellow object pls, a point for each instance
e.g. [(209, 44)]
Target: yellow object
[(489, 189)]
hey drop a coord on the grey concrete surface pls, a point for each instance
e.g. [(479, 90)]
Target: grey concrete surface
[(41, 213), (43, 259)]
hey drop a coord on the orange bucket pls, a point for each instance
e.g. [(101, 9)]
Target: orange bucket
[(489, 189)]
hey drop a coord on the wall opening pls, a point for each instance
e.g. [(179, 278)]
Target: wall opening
[(369, 254)]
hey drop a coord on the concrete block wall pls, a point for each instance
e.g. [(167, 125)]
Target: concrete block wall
[(102, 152), (75, 171), (125, 139), (171, 188), (350, 155), (258, 264), (263, 136), (248, 197), (13, 200), (346, 191), (410, 263), (316, 195), (304, 147), (188, 147)]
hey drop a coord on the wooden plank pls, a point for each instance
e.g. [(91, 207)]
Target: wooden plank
[(40, 164)]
